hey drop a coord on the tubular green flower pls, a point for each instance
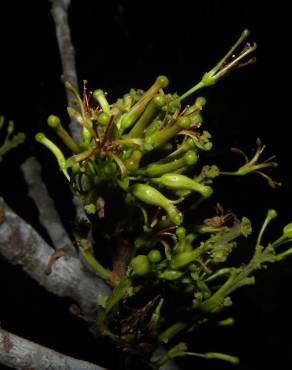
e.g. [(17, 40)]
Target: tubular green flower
[(41, 138), (228, 63), (99, 96), (157, 169), (151, 196), (163, 136), (129, 118), (182, 182), (157, 102), (55, 123), (253, 165)]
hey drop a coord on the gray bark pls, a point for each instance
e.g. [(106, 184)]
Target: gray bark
[(59, 12), (21, 245), (48, 215), (22, 354)]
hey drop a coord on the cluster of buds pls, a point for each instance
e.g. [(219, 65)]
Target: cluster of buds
[(145, 148), (142, 143)]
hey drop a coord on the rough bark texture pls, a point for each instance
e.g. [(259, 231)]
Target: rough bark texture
[(20, 353), (48, 215), (21, 245)]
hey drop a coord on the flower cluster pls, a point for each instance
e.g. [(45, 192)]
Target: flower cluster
[(136, 170)]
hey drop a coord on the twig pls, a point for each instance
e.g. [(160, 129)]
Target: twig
[(59, 12), (20, 353), (21, 245), (48, 215)]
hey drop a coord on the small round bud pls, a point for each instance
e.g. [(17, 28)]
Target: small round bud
[(162, 81), (159, 100), (287, 231), (10, 127), (272, 213), (154, 256), (184, 122), (200, 102), (53, 121), (245, 33), (181, 232), (141, 265), (207, 191), (103, 119), (40, 137), (190, 157)]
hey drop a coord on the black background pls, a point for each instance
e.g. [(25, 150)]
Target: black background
[(126, 44)]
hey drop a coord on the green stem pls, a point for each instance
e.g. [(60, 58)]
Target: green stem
[(41, 138), (12, 143), (270, 215), (100, 271), (171, 331), (195, 88)]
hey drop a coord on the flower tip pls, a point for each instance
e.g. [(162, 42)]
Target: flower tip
[(68, 85), (40, 137), (97, 93), (200, 102), (287, 230), (162, 81), (245, 33), (272, 213), (53, 121)]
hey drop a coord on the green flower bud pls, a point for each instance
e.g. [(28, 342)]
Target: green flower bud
[(191, 158), (170, 275), (154, 256), (41, 138), (157, 169), (10, 128), (287, 231), (151, 196), (183, 122), (272, 213), (133, 162), (163, 136), (141, 265), (183, 259), (181, 232), (53, 121), (200, 102), (103, 118), (162, 81), (181, 182)]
